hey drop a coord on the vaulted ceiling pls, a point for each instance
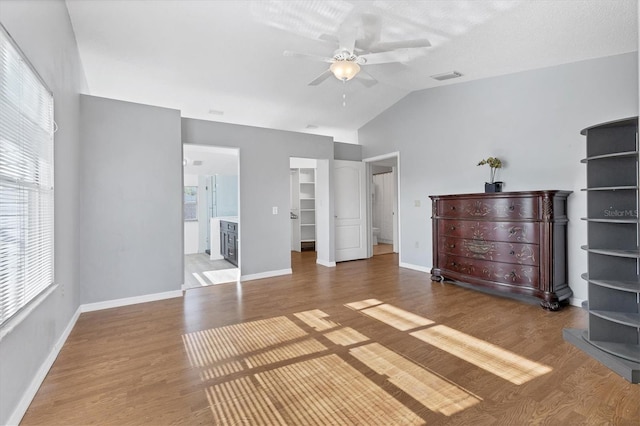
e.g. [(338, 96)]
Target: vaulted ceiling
[(223, 60)]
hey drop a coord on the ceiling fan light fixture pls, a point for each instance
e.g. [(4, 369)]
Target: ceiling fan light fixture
[(344, 70)]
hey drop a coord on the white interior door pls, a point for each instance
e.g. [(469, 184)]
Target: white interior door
[(350, 210)]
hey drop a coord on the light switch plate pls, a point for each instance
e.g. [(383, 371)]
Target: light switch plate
[(275, 210)]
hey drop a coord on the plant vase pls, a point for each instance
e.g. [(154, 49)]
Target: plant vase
[(493, 186)]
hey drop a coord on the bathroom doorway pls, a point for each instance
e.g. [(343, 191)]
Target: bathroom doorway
[(211, 200), (383, 204)]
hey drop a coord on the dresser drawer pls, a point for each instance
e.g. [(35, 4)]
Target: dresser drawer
[(518, 253), (518, 232), (494, 208), (506, 273)]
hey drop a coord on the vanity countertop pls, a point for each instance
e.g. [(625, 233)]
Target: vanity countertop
[(228, 219)]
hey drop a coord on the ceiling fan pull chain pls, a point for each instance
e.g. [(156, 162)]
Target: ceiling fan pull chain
[(344, 93)]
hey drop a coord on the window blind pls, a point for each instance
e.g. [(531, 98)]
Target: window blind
[(26, 181)]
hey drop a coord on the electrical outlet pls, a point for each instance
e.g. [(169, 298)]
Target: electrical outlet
[(274, 210)]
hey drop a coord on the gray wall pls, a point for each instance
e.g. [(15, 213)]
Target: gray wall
[(131, 210), (43, 32), (531, 120), (347, 151), (265, 243)]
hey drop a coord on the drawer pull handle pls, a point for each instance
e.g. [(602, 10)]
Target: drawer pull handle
[(452, 246), (453, 207), (454, 264), (512, 252), (453, 228), (513, 275), (512, 208), (512, 231)]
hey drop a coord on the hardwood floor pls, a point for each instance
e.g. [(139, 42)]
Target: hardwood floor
[(382, 248), (363, 343)]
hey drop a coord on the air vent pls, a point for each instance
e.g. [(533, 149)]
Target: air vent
[(447, 76), (197, 162), (311, 126), (216, 112)]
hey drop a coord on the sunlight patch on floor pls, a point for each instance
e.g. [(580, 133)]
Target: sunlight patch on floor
[(346, 336), (221, 370), (222, 276), (213, 345), (285, 352), (242, 402), (200, 279), (327, 390), (364, 304), (492, 358), (432, 391), (316, 320), (393, 316)]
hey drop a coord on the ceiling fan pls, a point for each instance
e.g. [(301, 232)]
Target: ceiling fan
[(359, 45)]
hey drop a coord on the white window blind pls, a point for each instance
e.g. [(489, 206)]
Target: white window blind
[(26, 181)]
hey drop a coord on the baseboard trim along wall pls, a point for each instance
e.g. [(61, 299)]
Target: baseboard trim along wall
[(267, 274), (426, 269), (31, 391), (326, 263), (574, 301), (116, 303)]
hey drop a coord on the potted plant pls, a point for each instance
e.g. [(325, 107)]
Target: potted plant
[(495, 164)]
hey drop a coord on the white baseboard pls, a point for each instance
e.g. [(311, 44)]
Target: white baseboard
[(267, 274), (326, 263), (426, 269), (31, 391), (574, 301), (116, 303)]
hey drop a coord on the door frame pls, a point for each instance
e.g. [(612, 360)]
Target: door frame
[(222, 149), (369, 162)]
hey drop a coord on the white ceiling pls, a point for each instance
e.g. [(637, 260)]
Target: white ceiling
[(223, 60), (209, 160)]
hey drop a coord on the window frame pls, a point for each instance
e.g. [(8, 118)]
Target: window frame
[(193, 203), (21, 290)]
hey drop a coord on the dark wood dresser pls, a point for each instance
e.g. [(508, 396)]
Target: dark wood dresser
[(511, 242)]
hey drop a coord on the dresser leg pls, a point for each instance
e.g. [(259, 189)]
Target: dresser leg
[(550, 306), (436, 278)]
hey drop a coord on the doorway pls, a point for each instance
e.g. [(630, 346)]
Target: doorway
[(211, 200), (382, 203)]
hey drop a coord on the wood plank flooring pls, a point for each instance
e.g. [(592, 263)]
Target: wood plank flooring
[(382, 248), (366, 342)]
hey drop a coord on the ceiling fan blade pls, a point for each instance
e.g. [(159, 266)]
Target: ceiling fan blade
[(371, 27), (395, 45), (307, 56), (322, 77), (403, 55), (366, 79), (348, 33)]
